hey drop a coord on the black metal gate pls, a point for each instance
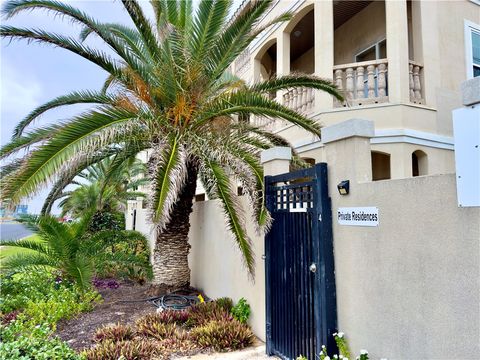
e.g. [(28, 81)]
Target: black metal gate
[(300, 281)]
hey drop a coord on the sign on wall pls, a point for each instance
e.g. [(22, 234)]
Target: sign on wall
[(358, 216)]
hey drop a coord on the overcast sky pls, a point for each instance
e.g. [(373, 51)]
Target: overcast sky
[(32, 74)]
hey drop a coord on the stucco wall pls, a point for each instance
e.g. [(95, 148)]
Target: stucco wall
[(409, 289), (216, 265)]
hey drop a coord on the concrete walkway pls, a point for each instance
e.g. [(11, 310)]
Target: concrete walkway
[(256, 353)]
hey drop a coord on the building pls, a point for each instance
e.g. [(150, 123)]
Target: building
[(409, 287), (399, 64)]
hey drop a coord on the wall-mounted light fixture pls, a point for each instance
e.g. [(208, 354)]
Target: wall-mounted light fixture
[(344, 187)]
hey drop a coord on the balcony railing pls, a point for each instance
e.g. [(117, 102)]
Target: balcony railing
[(415, 71), (242, 62), (363, 82), (301, 100)]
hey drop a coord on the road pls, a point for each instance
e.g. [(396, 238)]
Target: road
[(13, 231)]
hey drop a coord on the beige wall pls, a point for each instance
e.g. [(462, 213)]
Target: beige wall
[(305, 63), (361, 31), (216, 265)]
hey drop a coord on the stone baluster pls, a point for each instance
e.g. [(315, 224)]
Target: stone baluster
[(417, 87), (304, 100), (295, 96), (360, 76), (411, 82), (339, 81), (371, 81), (349, 83), (311, 96), (382, 80)]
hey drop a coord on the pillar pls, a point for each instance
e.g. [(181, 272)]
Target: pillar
[(276, 160), (347, 150), (283, 59), (397, 51), (324, 50)]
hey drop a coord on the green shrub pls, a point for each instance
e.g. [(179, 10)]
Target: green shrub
[(203, 313), (223, 335), (151, 325), (125, 350), (241, 311), (114, 333), (225, 302), (25, 347), (106, 220)]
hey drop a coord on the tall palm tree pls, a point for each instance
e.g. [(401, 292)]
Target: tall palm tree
[(98, 189), (168, 89)]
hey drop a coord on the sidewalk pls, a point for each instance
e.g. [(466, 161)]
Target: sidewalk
[(256, 353)]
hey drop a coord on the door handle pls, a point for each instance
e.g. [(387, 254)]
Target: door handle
[(313, 268)]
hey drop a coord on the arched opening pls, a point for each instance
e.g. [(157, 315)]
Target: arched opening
[(302, 54), (419, 163), (268, 65), (380, 166)]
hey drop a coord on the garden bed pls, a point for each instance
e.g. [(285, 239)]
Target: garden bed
[(119, 305)]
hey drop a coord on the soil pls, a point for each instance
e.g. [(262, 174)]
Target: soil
[(121, 305)]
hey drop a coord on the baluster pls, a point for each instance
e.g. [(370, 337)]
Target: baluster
[(310, 97), (339, 82), (304, 100), (295, 99), (381, 80), (349, 83), (417, 87), (411, 84), (360, 92), (371, 81)]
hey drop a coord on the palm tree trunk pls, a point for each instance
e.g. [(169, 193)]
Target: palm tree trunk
[(170, 255)]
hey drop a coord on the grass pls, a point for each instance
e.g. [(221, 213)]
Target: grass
[(6, 251)]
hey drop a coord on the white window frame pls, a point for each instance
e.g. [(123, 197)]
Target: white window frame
[(470, 27)]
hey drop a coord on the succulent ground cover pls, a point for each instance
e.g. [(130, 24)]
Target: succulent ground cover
[(204, 327)]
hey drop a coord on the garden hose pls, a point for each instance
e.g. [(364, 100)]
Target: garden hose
[(175, 302)]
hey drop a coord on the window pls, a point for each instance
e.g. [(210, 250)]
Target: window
[(472, 49), (380, 166), (375, 52)]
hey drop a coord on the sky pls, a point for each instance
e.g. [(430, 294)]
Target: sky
[(32, 74)]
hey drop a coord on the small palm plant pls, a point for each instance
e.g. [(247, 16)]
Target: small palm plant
[(66, 248), (168, 90)]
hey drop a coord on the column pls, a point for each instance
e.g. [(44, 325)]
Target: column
[(283, 59), (430, 48), (324, 39), (347, 150), (397, 50), (276, 160)]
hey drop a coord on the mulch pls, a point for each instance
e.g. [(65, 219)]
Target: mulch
[(122, 305)]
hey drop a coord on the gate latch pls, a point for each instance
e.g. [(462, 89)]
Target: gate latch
[(313, 268)]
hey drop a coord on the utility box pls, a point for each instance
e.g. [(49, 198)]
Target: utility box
[(466, 129)]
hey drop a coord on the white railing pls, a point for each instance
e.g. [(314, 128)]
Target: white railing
[(242, 62), (415, 84), (264, 123), (363, 82), (301, 100)]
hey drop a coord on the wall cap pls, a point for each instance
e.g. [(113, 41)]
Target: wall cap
[(276, 153), (347, 129), (470, 91)]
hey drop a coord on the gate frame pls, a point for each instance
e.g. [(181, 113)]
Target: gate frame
[(325, 305)]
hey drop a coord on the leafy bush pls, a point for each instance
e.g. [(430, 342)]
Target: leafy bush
[(170, 316), (25, 347), (151, 325), (203, 313), (125, 350), (223, 335), (114, 333), (106, 220), (241, 311), (225, 303), (67, 248)]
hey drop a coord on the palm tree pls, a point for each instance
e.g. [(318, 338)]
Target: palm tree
[(66, 248), (98, 189), (168, 89)]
